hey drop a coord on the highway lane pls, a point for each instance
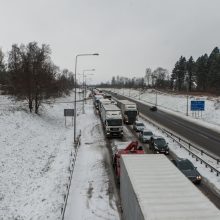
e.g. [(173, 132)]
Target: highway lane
[(208, 139)]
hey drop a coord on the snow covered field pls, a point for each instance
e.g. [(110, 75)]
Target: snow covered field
[(34, 155)]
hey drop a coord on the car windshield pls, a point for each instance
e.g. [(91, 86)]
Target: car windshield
[(160, 142), (140, 124), (185, 165), (114, 122), (147, 133)]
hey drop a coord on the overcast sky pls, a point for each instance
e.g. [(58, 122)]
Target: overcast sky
[(129, 35)]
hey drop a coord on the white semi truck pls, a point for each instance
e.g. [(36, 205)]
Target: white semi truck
[(152, 188), (103, 102), (112, 120), (96, 99), (129, 111)]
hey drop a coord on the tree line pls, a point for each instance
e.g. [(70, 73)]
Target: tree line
[(29, 74), (202, 75), (157, 78)]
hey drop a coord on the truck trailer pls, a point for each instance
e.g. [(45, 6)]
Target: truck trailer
[(102, 102), (112, 120), (96, 99), (129, 111), (152, 188)]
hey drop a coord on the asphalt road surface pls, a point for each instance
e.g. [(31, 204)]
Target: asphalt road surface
[(208, 139)]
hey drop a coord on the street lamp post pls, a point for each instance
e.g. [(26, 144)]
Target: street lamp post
[(84, 87), (86, 84), (78, 55)]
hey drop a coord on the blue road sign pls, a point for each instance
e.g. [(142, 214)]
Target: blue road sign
[(197, 106)]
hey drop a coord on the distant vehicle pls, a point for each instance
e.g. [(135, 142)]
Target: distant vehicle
[(102, 102), (138, 126), (106, 96), (153, 108), (129, 111), (158, 145), (145, 136), (188, 169), (96, 99)]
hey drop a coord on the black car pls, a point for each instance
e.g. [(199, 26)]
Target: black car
[(153, 108), (158, 145), (188, 169)]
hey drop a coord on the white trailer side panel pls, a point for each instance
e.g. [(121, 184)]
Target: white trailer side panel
[(152, 188)]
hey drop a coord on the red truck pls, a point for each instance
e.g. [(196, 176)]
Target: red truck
[(132, 148)]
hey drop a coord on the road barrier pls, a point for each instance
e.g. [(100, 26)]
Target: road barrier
[(190, 147), (70, 169)]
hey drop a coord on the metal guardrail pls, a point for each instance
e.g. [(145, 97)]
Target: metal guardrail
[(71, 169), (190, 146)]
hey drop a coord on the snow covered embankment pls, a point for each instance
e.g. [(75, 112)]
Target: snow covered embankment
[(34, 155)]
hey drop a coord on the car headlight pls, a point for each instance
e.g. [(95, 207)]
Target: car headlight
[(198, 177)]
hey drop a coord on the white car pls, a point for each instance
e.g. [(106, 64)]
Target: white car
[(138, 126), (145, 136)]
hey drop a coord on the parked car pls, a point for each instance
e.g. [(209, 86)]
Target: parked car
[(153, 108), (138, 126), (145, 136), (158, 145), (188, 169)]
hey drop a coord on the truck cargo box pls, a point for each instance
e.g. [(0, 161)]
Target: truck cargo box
[(152, 188)]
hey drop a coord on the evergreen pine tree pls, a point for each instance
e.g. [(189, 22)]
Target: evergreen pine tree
[(201, 72), (190, 67), (214, 70)]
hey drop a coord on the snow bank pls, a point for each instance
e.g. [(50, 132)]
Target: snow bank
[(34, 155)]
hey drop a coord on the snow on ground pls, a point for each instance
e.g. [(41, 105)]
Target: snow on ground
[(35, 156), (92, 196), (177, 104)]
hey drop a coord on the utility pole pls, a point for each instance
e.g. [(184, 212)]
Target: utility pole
[(187, 94)]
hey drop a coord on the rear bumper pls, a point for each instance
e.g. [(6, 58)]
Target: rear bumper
[(114, 134), (162, 152)]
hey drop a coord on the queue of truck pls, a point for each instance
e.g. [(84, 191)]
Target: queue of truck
[(151, 186), (113, 113)]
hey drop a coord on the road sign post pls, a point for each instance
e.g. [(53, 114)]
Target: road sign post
[(69, 113), (197, 106)]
